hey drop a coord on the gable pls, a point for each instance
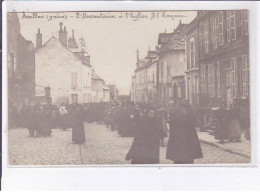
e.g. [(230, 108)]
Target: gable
[(53, 48)]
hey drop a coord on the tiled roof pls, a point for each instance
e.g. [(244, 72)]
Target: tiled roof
[(174, 40)]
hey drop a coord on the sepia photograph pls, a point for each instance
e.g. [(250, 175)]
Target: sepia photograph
[(128, 88)]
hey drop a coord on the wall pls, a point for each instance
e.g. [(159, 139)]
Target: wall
[(54, 65), (173, 65), (151, 82)]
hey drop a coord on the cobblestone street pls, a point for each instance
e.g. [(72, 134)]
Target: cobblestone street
[(102, 146)]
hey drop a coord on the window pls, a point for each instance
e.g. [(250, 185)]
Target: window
[(220, 28), (228, 26), (232, 25), (192, 54), (211, 80), (245, 76), (246, 22), (74, 80), (206, 37), (196, 85), (74, 98), (189, 89), (215, 32), (233, 77), (218, 78), (203, 79)]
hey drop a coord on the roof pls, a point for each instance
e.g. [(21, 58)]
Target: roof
[(106, 87), (151, 57), (95, 76), (192, 25), (174, 40), (112, 87), (54, 40)]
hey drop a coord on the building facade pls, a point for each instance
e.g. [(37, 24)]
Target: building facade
[(21, 64), (192, 63), (113, 93), (172, 66), (141, 83), (224, 59), (145, 78), (97, 84), (152, 79), (67, 74)]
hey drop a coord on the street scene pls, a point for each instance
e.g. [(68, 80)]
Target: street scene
[(128, 88), (111, 150)]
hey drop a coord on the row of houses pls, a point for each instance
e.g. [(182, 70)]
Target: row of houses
[(205, 62), (58, 71)]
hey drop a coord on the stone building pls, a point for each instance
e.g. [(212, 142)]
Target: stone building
[(132, 90), (172, 66), (192, 63), (66, 73), (146, 78), (113, 93), (97, 87), (141, 83), (224, 59), (21, 64), (151, 66), (106, 93)]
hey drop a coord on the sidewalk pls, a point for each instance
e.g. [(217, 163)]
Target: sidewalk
[(242, 148)]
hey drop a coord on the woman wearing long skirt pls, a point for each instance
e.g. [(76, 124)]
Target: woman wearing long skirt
[(222, 122), (234, 125), (146, 143), (183, 145), (78, 132)]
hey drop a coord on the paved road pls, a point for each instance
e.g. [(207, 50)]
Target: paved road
[(102, 147)]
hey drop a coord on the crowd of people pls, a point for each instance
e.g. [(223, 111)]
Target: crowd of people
[(148, 124), (229, 124)]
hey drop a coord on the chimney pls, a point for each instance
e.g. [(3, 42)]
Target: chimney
[(63, 35), (38, 39)]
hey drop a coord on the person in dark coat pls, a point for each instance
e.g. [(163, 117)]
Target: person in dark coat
[(112, 118), (234, 124), (30, 120), (46, 121), (222, 122), (78, 132), (126, 121), (183, 145), (145, 148)]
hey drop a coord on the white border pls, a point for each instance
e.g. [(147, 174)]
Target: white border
[(114, 177)]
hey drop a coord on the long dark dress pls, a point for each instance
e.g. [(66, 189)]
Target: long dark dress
[(183, 145), (222, 128), (78, 132), (44, 124), (146, 143), (32, 122)]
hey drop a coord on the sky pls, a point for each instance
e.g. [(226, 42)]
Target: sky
[(112, 38)]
